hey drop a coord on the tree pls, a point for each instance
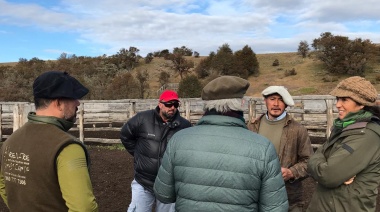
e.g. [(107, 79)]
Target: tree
[(225, 63), (190, 87), (183, 50), (163, 78), (204, 67), (341, 55), (180, 64), (164, 53), (149, 58), (126, 59), (247, 58), (303, 49), (142, 79), (123, 86)]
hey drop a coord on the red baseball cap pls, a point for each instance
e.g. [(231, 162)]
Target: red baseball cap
[(169, 95)]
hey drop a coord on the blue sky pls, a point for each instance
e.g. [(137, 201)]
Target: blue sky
[(46, 29)]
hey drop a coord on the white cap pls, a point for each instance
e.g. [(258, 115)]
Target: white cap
[(282, 91)]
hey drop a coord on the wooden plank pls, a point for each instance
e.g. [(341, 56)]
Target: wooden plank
[(103, 129), (103, 140), (316, 146), (317, 134)]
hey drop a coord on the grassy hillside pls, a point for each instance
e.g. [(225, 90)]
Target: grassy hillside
[(310, 78)]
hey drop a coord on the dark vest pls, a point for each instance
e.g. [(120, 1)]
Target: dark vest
[(28, 164)]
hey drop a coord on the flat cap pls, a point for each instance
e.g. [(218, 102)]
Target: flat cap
[(57, 84), (280, 90), (225, 87)]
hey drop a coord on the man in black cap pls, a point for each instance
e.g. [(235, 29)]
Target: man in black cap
[(44, 168), (219, 165)]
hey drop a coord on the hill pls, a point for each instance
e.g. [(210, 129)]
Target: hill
[(311, 78)]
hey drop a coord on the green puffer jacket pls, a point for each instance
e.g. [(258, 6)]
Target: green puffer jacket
[(353, 151), (219, 165)]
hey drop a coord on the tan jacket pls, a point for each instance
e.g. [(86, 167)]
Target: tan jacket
[(295, 151)]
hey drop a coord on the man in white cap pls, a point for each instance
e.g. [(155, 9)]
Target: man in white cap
[(290, 139)]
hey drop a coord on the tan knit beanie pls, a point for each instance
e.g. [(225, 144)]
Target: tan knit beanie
[(358, 89)]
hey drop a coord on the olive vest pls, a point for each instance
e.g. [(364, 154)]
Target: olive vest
[(28, 164)]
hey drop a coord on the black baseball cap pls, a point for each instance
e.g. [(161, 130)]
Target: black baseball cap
[(58, 84)]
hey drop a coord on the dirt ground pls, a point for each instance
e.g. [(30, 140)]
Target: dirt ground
[(112, 173)]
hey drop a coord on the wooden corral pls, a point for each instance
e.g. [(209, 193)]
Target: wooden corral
[(316, 113)]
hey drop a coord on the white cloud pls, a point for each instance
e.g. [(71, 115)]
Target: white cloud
[(266, 26)]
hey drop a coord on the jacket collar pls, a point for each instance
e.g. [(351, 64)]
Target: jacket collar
[(60, 123), (221, 120)]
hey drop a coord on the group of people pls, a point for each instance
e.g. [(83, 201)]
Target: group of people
[(222, 163)]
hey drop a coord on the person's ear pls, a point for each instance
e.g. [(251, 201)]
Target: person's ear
[(57, 103)]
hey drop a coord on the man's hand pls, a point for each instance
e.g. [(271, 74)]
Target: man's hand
[(286, 174)]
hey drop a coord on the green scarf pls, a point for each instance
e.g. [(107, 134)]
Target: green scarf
[(352, 118)]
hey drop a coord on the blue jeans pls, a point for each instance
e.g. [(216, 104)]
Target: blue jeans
[(142, 200)]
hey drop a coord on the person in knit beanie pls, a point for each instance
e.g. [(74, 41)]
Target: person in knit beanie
[(347, 165), (358, 89)]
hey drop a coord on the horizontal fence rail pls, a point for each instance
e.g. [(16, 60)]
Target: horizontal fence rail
[(315, 112)]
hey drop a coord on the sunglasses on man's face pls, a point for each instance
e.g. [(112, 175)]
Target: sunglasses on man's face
[(171, 104)]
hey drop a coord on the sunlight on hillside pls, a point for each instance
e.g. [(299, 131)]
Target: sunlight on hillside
[(310, 77)]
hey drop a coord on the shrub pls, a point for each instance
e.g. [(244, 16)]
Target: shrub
[(290, 72), (190, 87), (276, 62)]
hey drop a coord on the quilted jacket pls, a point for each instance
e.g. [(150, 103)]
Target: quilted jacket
[(219, 165)]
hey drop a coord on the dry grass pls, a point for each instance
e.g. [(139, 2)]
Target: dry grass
[(310, 78)]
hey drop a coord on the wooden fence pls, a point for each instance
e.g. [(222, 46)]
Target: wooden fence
[(316, 113)]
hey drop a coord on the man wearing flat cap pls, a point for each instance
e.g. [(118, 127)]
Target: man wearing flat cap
[(145, 137), (219, 165), (44, 168), (290, 139)]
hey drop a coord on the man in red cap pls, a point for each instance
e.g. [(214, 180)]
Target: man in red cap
[(145, 137)]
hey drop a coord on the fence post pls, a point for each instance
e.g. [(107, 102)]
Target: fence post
[(20, 115), (329, 116), (132, 109), (1, 122), (251, 109), (187, 110), (16, 117), (81, 122)]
